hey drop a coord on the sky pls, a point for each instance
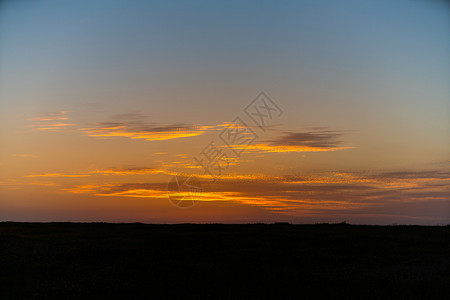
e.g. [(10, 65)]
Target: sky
[(225, 111)]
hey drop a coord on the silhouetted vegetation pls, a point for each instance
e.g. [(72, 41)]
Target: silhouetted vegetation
[(133, 261)]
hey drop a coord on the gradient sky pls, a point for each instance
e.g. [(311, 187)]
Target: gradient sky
[(102, 102)]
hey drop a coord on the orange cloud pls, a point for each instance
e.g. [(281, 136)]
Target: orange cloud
[(58, 175), (145, 190), (44, 122), (15, 184), (127, 171), (316, 140), (137, 129), (89, 188), (54, 127), (292, 194), (285, 148), (112, 171)]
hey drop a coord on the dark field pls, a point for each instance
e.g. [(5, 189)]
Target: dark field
[(134, 261)]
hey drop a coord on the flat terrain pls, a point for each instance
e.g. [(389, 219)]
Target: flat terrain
[(279, 261)]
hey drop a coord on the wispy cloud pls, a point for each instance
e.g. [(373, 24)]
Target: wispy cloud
[(81, 189), (53, 121), (316, 140), (259, 148), (57, 175), (321, 138), (144, 190), (52, 116), (127, 171), (53, 126), (135, 126), (110, 171), (20, 184), (294, 194)]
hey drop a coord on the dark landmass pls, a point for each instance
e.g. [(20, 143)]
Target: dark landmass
[(279, 261)]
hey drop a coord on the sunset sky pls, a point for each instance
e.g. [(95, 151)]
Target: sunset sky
[(103, 102)]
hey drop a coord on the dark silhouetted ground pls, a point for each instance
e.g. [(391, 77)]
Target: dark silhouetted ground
[(279, 261)]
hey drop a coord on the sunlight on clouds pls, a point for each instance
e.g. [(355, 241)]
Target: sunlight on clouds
[(17, 185), (58, 175), (47, 121), (137, 131), (54, 127), (89, 188), (285, 194), (141, 193), (129, 171), (285, 148)]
